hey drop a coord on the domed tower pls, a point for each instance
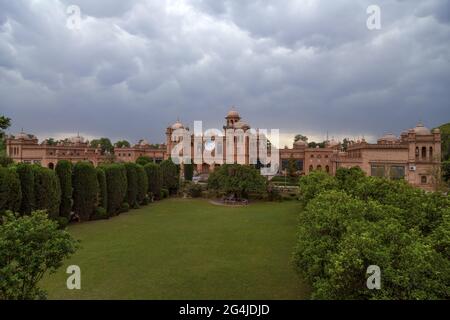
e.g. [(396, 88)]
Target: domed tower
[(170, 129), (232, 118)]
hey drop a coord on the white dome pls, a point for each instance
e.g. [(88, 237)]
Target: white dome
[(144, 142), (333, 143), (177, 125), (421, 130), (233, 114), (389, 137), (299, 143), (77, 139)]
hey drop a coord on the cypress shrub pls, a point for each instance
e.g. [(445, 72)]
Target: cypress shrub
[(102, 190), (154, 178), (85, 190), (169, 172), (188, 171), (142, 185), (64, 171), (26, 176), (10, 190), (47, 191), (116, 185), (132, 185)]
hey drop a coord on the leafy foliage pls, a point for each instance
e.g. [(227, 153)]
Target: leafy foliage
[(26, 176), (143, 160), (154, 178), (10, 190), (30, 246), (104, 143), (236, 179), (85, 190), (142, 181), (352, 221), (132, 188), (188, 171), (122, 144), (47, 191), (116, 183), (169, 173), (102, 189), (64, 171)]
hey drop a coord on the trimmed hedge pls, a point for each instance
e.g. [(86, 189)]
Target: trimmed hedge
[(26, 176), (188, 172), (64, 171), (10, 190), (154, 178), (85, 190), (169, 172), (102, 189), (116, 182), (132, 185), (142, 179), (47, 191)]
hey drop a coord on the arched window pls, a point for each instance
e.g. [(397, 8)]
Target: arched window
[(424, 152), (319, 167), (417, 152), (51, 165), (311, 168), (327, 169), (423, 179), (431, 153)]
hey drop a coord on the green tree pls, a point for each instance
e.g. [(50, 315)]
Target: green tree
[(315, 183), (349, 178), (300, 137), (446, 171), (85, 190), (154, 178), (30, 247), (104, 143), (10, 190), (239, 180), (142, 181), (26, 176), (292, 168), (116, 183), (64, 171), (122, 143), (143, 160), (51, 141), (132, 188), (47, 191), (188, 172), (170, 176), (102, 189)]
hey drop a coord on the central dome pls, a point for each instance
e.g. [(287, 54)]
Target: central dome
[(233, 113), (177, 125), (421, 130)]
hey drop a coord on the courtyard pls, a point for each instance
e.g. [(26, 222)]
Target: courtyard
[(186, 249)]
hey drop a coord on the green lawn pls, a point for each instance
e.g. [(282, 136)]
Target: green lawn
[(186, 249)]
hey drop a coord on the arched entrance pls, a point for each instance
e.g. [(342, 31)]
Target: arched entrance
[(51, 165)]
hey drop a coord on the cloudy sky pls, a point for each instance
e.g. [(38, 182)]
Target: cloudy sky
[(304, 66)]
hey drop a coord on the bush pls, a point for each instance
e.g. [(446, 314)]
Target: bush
[(142, 183), (143, 160), (170, 176), (102, 189), (85, 190), (116, 183), (132, 187), (154, 179), (5, 161), (10, 190), (188, 172), (164, 193), (26, 176), (239, 180), (125, 207), (47, 191), (64, 171), (30, 247), (348, 178), (273, 194), (315, 183), (100, 214), (194, 190)]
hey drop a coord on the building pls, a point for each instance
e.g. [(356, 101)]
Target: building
[(414, 156)]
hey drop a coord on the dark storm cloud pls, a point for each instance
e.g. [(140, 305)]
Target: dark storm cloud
[(303, 66)]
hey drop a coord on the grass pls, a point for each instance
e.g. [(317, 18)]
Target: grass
[(186, 249)]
